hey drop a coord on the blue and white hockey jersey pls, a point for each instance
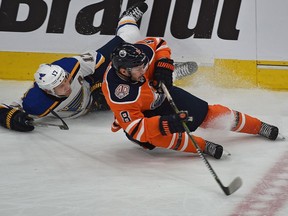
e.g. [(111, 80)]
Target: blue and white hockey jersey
[(81, 71)]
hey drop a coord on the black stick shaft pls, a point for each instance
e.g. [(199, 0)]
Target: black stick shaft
[(64, 126), (199, 151)]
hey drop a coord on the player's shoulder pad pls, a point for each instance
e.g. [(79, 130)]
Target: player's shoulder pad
[(121, 91), (37, 102), (91, 56), (70, 64)]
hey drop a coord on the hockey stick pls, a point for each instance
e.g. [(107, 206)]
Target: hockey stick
[(64, 126), (43, 124), (236, 183)]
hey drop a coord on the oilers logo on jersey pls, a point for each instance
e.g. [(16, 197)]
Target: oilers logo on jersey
[(158, 100)]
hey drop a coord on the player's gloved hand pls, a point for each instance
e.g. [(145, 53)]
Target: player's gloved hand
[(15, 119), (173, 123), (99, 102), (163, 73)]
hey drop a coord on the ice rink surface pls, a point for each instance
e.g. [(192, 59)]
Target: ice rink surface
[(89, 171)]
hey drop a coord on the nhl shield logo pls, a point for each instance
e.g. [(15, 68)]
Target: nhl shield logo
[(122, 91)]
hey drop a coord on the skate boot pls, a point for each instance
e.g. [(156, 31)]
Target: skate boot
[(136, 11), (184, 69), (213, 150), (268, 131)]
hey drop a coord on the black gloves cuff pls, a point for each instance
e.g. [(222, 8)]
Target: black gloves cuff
[(164, 125), (15, 119), (166, 63), (9, 117), (163, 73), (173, 123)]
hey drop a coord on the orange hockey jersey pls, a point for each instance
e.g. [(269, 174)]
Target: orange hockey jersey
[(129, 100)]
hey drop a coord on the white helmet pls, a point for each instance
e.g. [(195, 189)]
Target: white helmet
[(49, 76)]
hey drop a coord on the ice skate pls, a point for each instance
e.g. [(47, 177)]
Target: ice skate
[(213, 150), (269, 131), (136, 11), (183, 69)]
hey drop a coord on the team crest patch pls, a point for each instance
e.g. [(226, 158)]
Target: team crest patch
[(122, 91), (41, 75)]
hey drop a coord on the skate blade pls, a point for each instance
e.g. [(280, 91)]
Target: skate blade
[(225, 154), (281, 136)]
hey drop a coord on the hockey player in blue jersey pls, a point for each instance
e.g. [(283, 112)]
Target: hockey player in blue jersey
[(70, 87)]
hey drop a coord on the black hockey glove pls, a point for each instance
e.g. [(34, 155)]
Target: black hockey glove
[(163, 73), (173, 123), (15, 119), (99, 102)]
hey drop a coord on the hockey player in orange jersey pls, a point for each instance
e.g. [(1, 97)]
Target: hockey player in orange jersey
[(132, 89)]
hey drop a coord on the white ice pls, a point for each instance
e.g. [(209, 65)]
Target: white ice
[(91, 171)]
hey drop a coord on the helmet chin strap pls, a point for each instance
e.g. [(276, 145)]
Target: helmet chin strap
[(52, 92), (60, 96)]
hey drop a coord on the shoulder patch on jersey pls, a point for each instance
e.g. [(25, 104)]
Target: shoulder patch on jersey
[(122, 91)]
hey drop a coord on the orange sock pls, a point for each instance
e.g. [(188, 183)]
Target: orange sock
[(221, 117), (246, 123), (179, 142)]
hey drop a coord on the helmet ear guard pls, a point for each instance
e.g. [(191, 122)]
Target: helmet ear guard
[(49, 77), (127, 56)]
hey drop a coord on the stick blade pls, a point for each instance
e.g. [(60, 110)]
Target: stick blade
[(234, 186), (64, 127)]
